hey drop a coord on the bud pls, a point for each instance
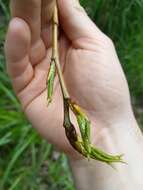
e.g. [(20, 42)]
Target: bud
[(50, 80), (82, 144)]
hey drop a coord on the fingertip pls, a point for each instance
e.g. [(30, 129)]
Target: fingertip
[(19, 28), (75, 21), (18, 40)]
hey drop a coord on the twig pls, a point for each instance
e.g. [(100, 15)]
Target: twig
[(80, 143), (55, 52)]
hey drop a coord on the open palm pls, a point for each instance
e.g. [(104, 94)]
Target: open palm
[(89, 62)]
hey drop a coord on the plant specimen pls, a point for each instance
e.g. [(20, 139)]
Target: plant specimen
[(80, 143)]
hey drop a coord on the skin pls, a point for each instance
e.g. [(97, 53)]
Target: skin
[(92, 73)]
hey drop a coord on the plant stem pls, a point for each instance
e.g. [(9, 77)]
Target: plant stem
[(55, 52), (81, 144)]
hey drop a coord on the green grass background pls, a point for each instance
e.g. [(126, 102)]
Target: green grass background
[(27, 162)]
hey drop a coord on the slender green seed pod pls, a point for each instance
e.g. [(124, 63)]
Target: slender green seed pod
[(105, 155), (85, 133), (109, 159), (50, 81)]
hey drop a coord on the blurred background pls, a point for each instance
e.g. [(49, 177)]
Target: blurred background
[(27, 162)]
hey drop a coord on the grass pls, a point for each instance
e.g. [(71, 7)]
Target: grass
[(27, 162)]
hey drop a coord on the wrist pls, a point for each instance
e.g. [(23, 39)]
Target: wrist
[(122, 137)]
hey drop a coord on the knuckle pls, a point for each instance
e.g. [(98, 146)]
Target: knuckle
[(109, 42)]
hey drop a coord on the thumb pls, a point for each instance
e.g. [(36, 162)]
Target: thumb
[(75, 22)]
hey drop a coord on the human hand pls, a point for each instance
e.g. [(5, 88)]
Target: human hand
[(90, 65)]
